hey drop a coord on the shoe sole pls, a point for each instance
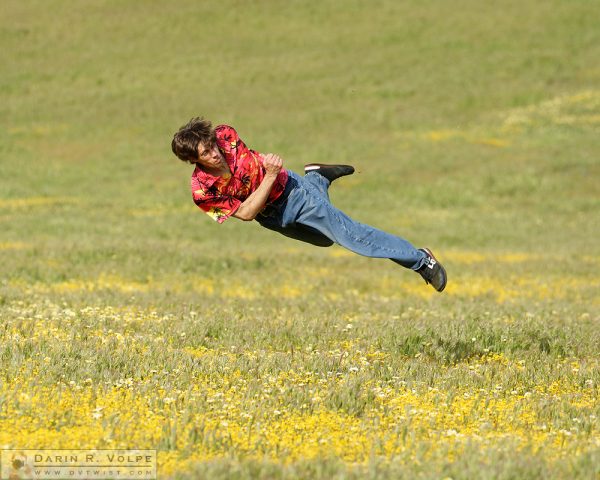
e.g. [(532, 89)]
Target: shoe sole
[(316, 166)]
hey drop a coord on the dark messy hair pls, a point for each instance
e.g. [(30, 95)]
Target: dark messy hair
[(186, 140)]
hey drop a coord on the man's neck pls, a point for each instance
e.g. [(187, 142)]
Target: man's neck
[(220, 171)]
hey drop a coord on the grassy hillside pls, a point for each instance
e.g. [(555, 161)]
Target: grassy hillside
[(474, 130)]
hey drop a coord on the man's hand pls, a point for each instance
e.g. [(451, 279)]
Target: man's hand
[(272, 163)]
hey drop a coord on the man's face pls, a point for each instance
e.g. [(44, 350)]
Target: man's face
[(209, 156)]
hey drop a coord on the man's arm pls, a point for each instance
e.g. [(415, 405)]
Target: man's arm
[(256, 201)]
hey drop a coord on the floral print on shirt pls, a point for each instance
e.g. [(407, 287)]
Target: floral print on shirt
[(220, 197)]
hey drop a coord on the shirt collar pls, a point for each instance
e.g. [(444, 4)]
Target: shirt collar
[(205, 179)]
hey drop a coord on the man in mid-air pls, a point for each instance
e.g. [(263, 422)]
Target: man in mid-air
[(231, 180)]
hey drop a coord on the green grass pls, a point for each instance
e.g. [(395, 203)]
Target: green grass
[(474, 130)]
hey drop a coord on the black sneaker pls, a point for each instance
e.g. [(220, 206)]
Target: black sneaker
[(330, 172), (433, 272)]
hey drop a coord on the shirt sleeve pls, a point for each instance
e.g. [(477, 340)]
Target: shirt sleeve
[(228, 140), (218, 207)]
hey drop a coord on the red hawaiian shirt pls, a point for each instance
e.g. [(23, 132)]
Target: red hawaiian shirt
[(220, 197)]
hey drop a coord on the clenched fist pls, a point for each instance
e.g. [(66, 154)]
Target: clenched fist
[(272, 163)]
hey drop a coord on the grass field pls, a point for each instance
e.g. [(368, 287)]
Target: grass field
[(131, 320)]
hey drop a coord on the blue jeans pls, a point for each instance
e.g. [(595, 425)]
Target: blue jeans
[(304, 212)]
